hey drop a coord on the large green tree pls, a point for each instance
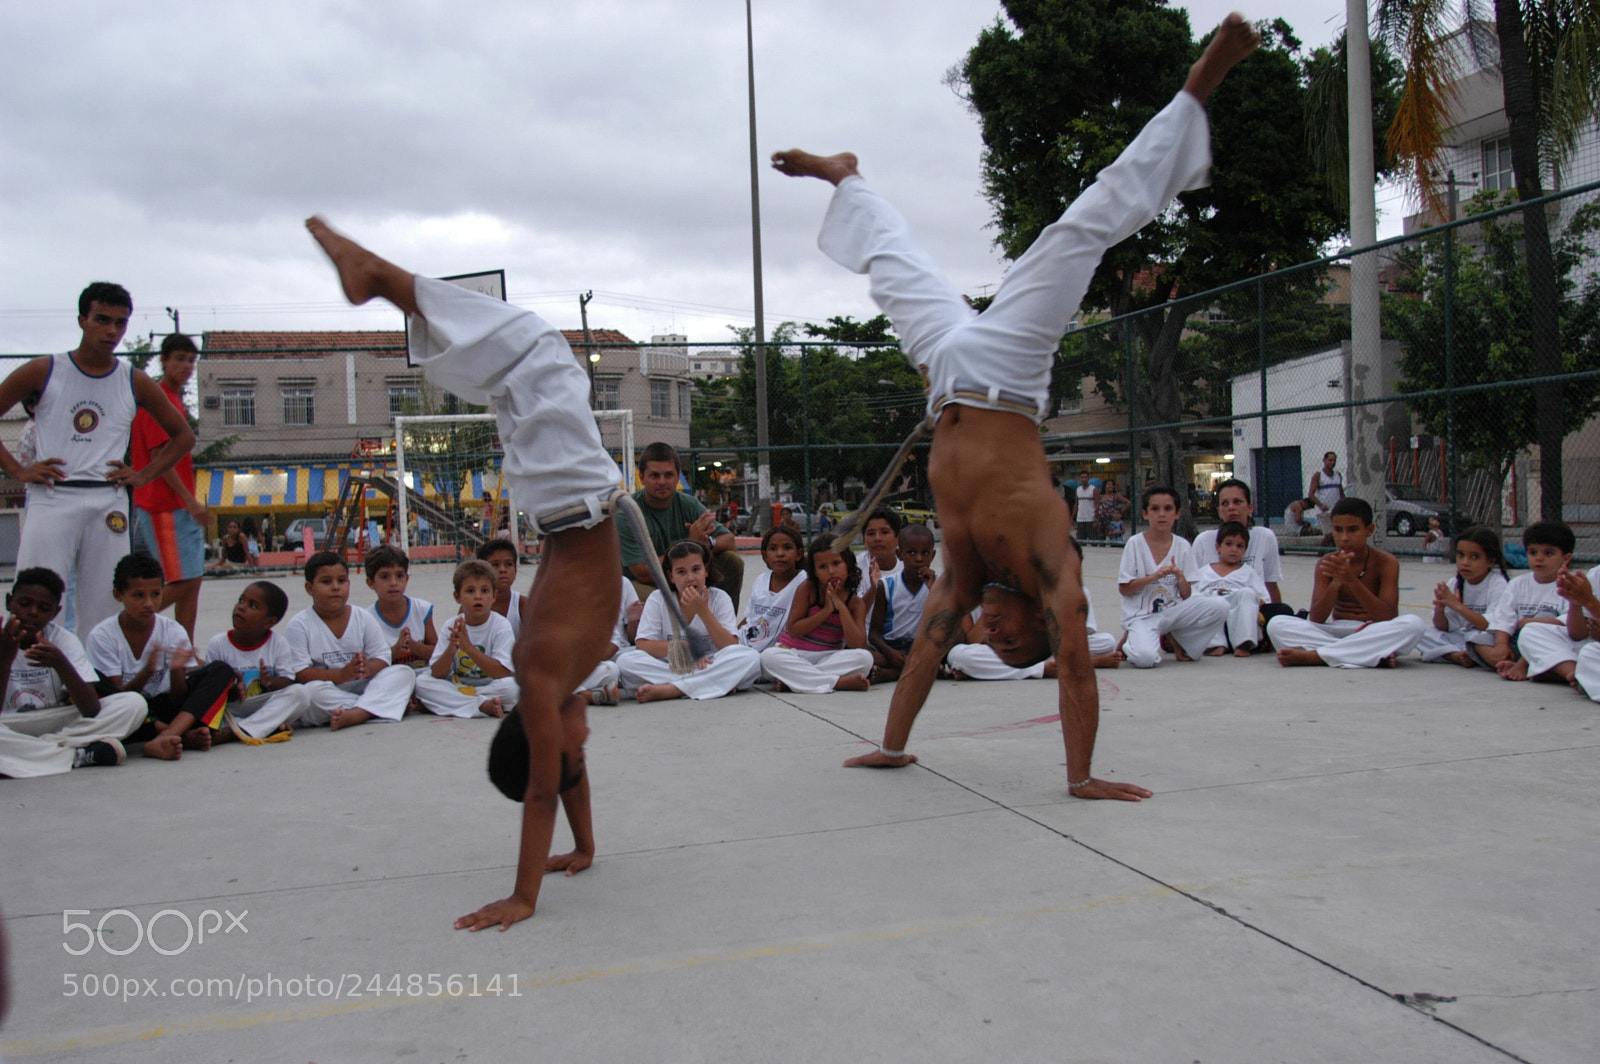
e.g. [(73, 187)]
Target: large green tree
[(1060, 87), (1548, 54), (853, 388)]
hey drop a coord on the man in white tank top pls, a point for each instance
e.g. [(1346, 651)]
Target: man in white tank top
[(1327, 487), (77, 484), (1088, 496)]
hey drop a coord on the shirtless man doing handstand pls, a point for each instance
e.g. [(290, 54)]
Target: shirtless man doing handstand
[(1005, 529)]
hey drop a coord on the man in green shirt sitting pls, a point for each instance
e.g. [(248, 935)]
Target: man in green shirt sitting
[(673, 515)]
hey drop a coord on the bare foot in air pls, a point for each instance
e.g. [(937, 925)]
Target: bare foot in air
[(1296, 656), (831, 168), (347, 718), (362, 274), (657, 692), (854, 682), (165, 747), (1234, 40), (197, 738), (493, 708)]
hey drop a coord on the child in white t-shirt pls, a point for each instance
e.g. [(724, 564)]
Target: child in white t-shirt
[(728, 667), (1156, 596), (260, 659), (470, 674), (406, 622), (1237, 583), (140, 650), (1533, 600), (773, 591), (1462, 607)]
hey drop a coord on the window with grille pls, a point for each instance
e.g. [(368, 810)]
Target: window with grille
[(238, 404), (661, 399), (299, 404), (607, 393), (1497, 175), (405, 396), (683, 401)]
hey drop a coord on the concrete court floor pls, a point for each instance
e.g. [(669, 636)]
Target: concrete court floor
[(1338, 866)]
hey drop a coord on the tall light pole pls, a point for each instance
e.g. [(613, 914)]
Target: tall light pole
[(763, 514), (588, 343), (1364, 375)]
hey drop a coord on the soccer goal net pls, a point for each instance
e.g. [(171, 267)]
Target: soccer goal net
[(450, 489)]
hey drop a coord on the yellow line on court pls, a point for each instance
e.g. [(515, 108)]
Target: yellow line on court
[(650, 966)]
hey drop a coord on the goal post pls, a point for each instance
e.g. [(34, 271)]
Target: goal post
[(439, 456)]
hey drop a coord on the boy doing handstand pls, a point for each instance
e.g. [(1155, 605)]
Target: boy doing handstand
[(988, 380), (489, 352)]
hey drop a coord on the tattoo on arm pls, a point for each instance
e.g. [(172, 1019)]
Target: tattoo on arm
[(944, 628), (1052, 629)]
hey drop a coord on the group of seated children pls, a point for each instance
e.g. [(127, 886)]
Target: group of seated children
[(810, 627), (138, 680)]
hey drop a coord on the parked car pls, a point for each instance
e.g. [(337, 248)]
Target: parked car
[(915, 512), (808, 519), (1409, 508), (292, 535)]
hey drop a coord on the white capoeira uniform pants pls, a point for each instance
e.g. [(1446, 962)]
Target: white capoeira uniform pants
[(23, 756), (1349, 644), (1001, 359), (1588, 671), (1436, 645), (813, 672), (489, 352), (443, 697), (978, 661), (604, 675), (1544, 646), (1244, 618), (87, 527), (1193, 623), (733, 668), (385, 696)]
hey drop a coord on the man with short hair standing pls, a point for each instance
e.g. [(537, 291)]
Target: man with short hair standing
[(673, 515), (77, 502)]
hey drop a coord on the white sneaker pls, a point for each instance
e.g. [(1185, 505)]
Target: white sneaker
[(604, 696)]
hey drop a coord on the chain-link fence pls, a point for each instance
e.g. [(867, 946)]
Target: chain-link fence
[(1476, 404)]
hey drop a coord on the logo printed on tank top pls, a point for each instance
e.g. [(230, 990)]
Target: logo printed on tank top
[(85, 419)]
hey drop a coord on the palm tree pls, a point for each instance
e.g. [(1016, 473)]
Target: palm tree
[(1549, 57)]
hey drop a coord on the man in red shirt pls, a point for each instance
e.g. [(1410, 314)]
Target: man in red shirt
[(168, 521)]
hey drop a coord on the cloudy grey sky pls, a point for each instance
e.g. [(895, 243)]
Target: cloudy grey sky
[(600, 145)]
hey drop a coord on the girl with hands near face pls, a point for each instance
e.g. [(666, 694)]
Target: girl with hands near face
[(1461, 606), (709, 610), (823, 647)]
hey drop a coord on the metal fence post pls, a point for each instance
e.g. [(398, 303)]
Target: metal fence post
[(1261, 350), (1453, 515)]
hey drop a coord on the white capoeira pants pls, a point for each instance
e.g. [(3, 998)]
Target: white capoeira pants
[(813, 672), (1244, 619), (978, 661), (1001, 359), (447, 700), (385, 696), (1349, 644), (604, 675), (1194, 623), (1436, 645), (87, 527), (1544, 646), (489, 352), (1588, 671), (23, 756), (733, 668)]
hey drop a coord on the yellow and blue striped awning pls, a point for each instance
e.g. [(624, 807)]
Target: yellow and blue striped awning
[(313, 487)]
